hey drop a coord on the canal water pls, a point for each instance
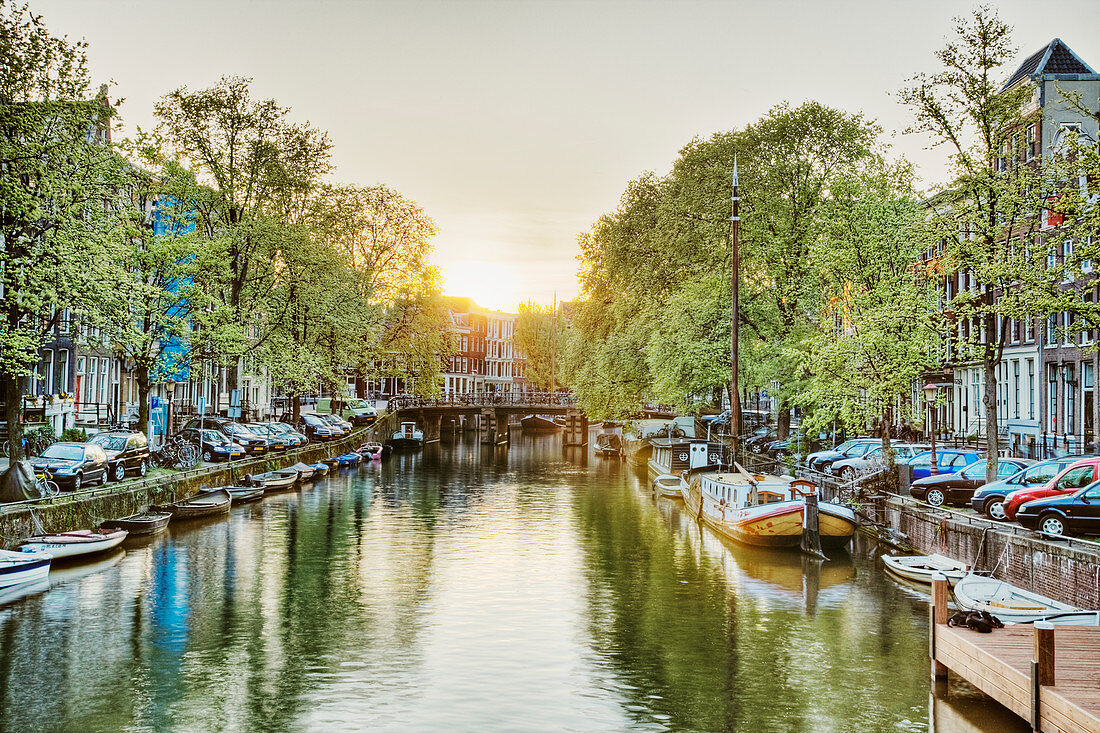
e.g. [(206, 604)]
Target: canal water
[(467, 589)]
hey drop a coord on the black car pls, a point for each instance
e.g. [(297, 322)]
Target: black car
[(275, 441), (339, 423), (281, 428), (72, 465), (312, 426), (1076, 513), (127, 452), (760, 438), (214, 445), (959, 487), (253, 444)]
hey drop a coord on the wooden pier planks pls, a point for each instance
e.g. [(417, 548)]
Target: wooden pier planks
[(999, 664)]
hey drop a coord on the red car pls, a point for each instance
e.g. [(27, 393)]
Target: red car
[(1077, 475)]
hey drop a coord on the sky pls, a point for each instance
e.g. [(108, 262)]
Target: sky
[(516, 124)]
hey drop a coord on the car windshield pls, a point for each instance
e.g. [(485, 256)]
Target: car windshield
[(110, 442), (64, 452), (844, 446), (314, 420), (280, 427), (259, 429), (235, 429)]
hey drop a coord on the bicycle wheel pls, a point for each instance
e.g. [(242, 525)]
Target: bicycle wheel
[(4, 449), (188, 455), (47, 488)]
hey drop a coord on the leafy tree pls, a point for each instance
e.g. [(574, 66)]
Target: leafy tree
[(57, 169), (881, 320), (535, 338), (258, 168), (990, 215)]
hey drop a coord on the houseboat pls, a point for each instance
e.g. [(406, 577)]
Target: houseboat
[(407, 437)]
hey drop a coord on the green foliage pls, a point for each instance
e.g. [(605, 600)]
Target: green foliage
[(38, 440), (56, 171), (75, 435), (536, 340)]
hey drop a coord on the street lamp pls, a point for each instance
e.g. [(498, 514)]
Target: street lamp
[(170, 388), (930, 391)]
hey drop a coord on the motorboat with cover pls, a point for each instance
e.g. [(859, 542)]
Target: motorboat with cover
[(408, 437)]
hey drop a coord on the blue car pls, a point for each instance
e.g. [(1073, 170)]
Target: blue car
[(989, 499), (948, 460)]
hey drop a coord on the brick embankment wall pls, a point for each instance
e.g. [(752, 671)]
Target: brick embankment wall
[(1065, 571), (85, 509)]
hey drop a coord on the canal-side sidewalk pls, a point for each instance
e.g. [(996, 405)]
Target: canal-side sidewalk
[(70, 511)]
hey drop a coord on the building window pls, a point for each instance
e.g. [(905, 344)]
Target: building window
[(1071, 398), (63, 370), (1052, 380), (1030, 389), (1016, 389), (1052, 326)]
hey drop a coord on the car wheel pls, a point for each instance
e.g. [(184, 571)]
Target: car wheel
[(995, 509), (143, 467), (78, 481), (780, 455), (755, 449), (935, 497), (849, 473), (120, 472), (208, 456), (1052, 524)]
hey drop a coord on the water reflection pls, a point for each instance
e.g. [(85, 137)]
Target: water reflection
[(521, 588)]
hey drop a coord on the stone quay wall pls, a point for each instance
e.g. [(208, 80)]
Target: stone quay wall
[(85, 509)]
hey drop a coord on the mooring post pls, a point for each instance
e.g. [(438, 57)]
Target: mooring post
[(937, 614), (1042, 667), (811, 527)]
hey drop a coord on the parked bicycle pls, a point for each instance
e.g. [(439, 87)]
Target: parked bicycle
[(176, 452), (45, 486)]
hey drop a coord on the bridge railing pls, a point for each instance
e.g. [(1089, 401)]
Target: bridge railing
[(486, 399)]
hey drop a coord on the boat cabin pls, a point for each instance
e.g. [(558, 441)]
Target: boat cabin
[(736, 490)]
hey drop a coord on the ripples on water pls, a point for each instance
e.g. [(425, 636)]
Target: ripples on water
[(517, 589)]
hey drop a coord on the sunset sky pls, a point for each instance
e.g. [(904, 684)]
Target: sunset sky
[(517, 124)]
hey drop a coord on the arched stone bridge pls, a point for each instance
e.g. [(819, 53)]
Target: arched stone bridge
[(490, 413)]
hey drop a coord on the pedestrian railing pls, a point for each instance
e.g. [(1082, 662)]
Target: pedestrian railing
[(486, 399)]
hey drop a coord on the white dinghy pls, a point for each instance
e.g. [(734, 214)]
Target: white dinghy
[(919, 568), (1006, 601)]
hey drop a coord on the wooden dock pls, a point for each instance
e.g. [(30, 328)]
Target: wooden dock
[(1048, 675)]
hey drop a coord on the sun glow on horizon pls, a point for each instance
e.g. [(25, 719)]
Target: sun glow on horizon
[(492, 285)]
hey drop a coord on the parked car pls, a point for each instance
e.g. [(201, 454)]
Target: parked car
[(759, 438), (989, 499), (72, 465), (214, 445), (948, 460), (874, 459), (354, 409), (127, 452), (855, 448), (275, 441), (1077, 475), (959, 487), (797, 444), (253, 444), (283, 429), (337, 422), (1065, 514), (312, 426), (722, 418)]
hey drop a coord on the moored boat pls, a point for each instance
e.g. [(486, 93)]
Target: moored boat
[(372, 450), (204, 504), (1004, 600), (676, 455), (278, 480), (245, 494), (919, 568), (667, 485), (142, 523), (320, 469), (305, 472), (762, 510), (73, 544), (539, 424), (407, 437), (23, 567), (609, 444)]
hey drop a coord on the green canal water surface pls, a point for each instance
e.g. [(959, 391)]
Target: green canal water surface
[(469, 589)]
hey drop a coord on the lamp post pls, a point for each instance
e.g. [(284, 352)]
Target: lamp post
[(930, 391), (170, 388)]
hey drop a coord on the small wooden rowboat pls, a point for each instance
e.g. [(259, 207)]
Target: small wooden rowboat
[(919, 568), (205, 504), (245, 494), (23, 567), (72, 544), (667, 484), (278, 480), (144, 523), (1005, 601)]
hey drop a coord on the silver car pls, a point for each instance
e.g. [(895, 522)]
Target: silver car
[(874, 460)]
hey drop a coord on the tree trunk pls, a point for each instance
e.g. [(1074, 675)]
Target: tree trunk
[(989, 404), (783, 421), (143, 397), (13, 397), (296, 406)]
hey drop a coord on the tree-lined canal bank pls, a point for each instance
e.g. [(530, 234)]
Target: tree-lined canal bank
[(471, 589)]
